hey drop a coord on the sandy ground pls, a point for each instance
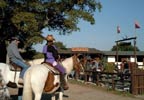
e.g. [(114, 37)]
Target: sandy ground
[(79, 92)]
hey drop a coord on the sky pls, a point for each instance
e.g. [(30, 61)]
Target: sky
[(103, 34)]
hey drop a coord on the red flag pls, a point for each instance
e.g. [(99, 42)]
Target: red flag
[(118, 29), (137, 25)]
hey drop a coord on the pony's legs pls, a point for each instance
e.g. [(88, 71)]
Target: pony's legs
[(38, 96), (37, 90), (53, 97), (38, 78), (61, 95), (27, 89), (32, 87)]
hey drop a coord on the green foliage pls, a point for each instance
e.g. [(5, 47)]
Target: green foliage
[(29, 22), (124, 48), (60, 45), (38, 55), (28, 18), (2, 4), (109, 67)]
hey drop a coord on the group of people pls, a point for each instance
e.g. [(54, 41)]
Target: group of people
[(94, 64), (50, 56)]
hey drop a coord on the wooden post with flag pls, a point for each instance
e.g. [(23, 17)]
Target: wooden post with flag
[(137, 26), (118, 29), (118, 32)]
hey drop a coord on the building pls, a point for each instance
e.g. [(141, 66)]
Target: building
[(110, 56), (92, 52)]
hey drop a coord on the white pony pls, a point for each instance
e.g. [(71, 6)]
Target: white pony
[(4, 92), (8, 75), (12, 76), (36, 76)]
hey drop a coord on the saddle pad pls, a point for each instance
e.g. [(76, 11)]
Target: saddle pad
[(51, 68)]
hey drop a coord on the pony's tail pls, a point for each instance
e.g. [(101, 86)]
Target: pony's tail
[(27, 90)]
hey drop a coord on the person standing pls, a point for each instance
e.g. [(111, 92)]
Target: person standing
[(16, 58), (51, 56)]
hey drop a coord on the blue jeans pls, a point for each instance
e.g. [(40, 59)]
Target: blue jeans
[(21, 64)]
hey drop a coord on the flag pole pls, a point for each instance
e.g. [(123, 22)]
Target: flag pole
[(136, 27), (135, 32), (118, 32)]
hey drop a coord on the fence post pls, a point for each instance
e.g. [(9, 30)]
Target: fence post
[(133, 80), (85, 76), (113, 82), (97, 78)]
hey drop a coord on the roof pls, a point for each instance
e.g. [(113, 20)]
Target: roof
[(126, 53), (96, 51), (88, 50)]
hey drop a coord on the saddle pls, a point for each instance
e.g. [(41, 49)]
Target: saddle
[(49, 84), (14, 67), (52, 68)]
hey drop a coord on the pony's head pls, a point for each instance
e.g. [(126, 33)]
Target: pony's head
[(77, 64)]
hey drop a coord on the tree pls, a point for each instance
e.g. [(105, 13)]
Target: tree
[(60, 45), (124, 46), (27, 18)]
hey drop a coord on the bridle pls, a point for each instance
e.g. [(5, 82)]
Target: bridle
[(77, 64)]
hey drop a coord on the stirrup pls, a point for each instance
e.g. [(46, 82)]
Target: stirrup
[(12, 84)]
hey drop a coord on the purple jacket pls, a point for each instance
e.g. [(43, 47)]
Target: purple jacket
[(51, 53)]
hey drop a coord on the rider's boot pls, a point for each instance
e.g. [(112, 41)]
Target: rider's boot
[(63, 82)]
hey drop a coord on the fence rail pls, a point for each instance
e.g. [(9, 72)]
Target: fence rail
[(111, 80), (132, 82)]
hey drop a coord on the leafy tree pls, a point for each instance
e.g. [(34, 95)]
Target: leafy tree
[(60, 45), (27, 18), (124, 46)]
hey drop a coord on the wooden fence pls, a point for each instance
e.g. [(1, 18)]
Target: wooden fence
[(132, 82), (110, 80), (137, 80)]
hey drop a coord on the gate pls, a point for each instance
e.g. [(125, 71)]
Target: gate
[(137, 79)]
